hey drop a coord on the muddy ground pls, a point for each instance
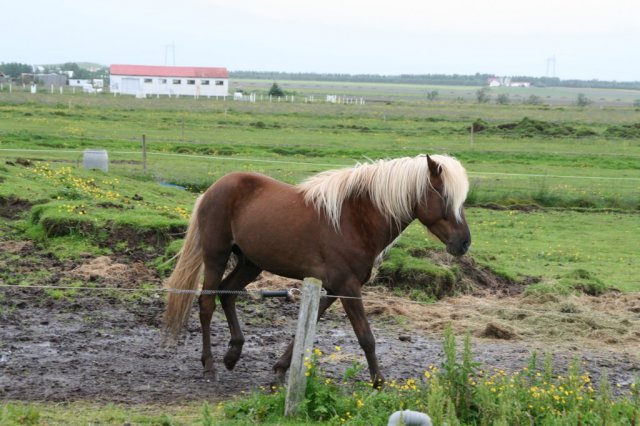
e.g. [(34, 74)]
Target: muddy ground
[(105, 346)]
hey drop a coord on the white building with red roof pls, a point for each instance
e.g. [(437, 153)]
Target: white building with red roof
[(143, 80)]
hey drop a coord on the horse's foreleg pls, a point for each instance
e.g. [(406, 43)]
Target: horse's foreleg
[(282, 365), (358, 318), (242, 275)]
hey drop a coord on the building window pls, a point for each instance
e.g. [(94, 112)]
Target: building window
[(219, 82), (191, 82), (148, 80), (204, 82), (177, 81), (163, 81)]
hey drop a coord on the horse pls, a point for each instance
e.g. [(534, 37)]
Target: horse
[(332, 226)]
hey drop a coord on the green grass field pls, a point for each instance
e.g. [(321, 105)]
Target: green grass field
[(567, 159), (562, 184)]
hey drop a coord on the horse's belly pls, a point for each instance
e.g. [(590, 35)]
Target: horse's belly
[(290, 251)]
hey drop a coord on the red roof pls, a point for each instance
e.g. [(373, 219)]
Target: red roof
[(160, 71)]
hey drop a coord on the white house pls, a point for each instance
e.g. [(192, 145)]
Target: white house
[(159, 80)]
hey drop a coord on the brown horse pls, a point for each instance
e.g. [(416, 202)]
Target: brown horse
[(332, 227)]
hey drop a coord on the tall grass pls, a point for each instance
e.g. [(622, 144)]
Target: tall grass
[(459, 391)]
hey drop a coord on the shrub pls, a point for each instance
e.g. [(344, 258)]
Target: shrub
[(503, 99), (276, 91), (582, 100), (482, 95)]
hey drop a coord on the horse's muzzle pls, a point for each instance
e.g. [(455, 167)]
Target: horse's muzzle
[(458, 248)]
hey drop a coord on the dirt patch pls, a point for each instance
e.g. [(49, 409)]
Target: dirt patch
[(496, 330), (476, 279), (20, 161), (111, 273), (136, 239), (610, 322), (98, 347), (15, 247), (525, 208), (11, 207)]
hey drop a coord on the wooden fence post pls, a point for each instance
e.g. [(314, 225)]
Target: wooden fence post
[(303, 343), (144, 154)]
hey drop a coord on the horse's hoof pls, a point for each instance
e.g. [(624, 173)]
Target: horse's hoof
[(210, 376), (378, 382), (230, 360), (278, 379)]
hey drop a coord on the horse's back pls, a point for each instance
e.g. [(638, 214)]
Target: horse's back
[(239, 190)]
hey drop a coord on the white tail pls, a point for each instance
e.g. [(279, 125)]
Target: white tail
[(185, 276)]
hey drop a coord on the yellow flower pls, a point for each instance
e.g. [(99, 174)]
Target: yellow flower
[(317, 352), (360, 404), (338, 348)]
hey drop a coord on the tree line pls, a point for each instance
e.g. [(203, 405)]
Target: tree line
[(477, 79)]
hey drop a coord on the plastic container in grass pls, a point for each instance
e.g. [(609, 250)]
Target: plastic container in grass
[(96, 159)]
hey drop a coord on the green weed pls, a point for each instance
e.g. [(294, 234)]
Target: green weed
[(457, 392)]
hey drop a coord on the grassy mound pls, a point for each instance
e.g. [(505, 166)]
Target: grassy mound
[(116, 212), (528, 128), (420, 267)]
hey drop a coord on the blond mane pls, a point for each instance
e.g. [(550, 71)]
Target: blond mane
[(393, 186)]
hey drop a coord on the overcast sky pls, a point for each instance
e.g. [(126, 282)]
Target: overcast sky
[(589, 39)]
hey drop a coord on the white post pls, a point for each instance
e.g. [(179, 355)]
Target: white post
[(303, 343), (61, 90), (144, 154)]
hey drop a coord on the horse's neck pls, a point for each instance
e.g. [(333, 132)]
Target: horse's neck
[(377, 229)]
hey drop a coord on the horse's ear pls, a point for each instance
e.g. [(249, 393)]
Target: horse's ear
[(434, 168)]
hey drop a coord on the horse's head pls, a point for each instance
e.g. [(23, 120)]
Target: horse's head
[(442, 213)]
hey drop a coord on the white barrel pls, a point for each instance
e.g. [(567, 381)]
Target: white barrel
[(96, 159)]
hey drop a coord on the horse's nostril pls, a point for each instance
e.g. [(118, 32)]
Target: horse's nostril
[(466, 245)]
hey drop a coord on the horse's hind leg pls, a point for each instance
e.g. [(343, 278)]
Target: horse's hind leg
[(243, 274), (214, 266), (282, 365)]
